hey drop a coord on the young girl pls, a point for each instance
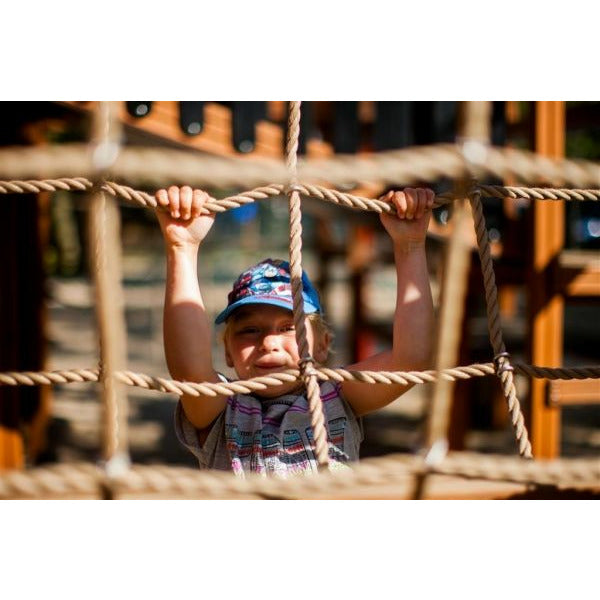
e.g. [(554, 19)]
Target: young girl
[(269, 432)]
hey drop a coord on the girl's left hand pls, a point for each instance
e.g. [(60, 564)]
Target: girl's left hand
[(408, 227)]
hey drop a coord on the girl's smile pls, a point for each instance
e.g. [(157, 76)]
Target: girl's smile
[(260, 339)]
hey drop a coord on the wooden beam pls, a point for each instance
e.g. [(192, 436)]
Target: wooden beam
[(578, 274), (545, 307), (574, 392), (22, 346)]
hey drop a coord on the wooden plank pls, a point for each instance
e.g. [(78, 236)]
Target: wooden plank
[(585, 283), (545, 306), (276, 110), (215, 138), (573, 392), (269, 139), (163, 120), (578, 274), (318, 149)]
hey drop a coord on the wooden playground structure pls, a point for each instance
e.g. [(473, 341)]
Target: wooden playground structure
[(236, 155)]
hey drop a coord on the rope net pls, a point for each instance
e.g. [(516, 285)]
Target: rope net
[(408, 165)]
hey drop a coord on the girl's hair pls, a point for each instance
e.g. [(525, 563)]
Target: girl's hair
[(320, 327)]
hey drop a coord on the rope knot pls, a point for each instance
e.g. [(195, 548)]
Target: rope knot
[(502, 363), (292, 187), (307, 366)]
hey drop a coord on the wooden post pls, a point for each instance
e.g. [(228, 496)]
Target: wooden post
[(22, 344), (545, 306)]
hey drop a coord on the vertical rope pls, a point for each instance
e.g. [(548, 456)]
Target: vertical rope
[(104, 235), (307, 362), (454, 287), (473, 129), (504, 369)]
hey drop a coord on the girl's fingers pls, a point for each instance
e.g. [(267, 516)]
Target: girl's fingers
[(430, 199), (185, 202), (422, 203), (399, 200), (198, 200), (182, 202), (162, 197), (412, 201), (174, 201)]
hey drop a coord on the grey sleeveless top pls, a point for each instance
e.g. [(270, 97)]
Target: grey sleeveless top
[(273, 436)]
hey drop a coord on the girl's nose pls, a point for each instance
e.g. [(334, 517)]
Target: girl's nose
[(270, 341)]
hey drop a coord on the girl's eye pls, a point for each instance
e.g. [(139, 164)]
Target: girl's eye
[(247, 330), (288, 328)]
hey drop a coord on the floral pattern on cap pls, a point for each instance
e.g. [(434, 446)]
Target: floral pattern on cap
[(268, 282)]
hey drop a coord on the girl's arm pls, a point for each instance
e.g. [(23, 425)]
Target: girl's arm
[(413, 317), (187, 331)]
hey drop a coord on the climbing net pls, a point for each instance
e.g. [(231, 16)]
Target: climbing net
[(465, 163)]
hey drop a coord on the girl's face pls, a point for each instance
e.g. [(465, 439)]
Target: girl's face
[(261, 339)]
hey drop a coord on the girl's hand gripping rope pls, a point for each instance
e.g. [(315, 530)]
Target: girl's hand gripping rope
[(183, 223), (408, 228)]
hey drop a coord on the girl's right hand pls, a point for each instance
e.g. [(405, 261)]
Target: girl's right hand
[(182, 223)]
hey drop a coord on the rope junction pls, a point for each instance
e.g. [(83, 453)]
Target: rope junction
[(307, 362), (415, 164)]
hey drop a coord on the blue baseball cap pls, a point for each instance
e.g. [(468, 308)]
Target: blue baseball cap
[(268, 282)]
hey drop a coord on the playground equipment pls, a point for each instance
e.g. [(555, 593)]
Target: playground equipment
[(394, 476)]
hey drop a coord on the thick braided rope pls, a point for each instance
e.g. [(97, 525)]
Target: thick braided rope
[(307, 363), (537, 193), (104, 229), (97, 231), (160, 167), (146, 200), (248, 386), (473, 119), (382, 476), (454, 287), (493, 313)]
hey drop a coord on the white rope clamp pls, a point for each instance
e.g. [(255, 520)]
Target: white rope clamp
[(502, 363)]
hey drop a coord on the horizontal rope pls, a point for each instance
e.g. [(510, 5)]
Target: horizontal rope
[(390, 474), (248, 386), (146, 200), (164, 166), (498, 191)]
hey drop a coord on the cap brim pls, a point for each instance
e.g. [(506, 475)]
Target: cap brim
[(309, 307)]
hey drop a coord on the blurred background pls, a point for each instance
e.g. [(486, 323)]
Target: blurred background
[(550, 313)]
